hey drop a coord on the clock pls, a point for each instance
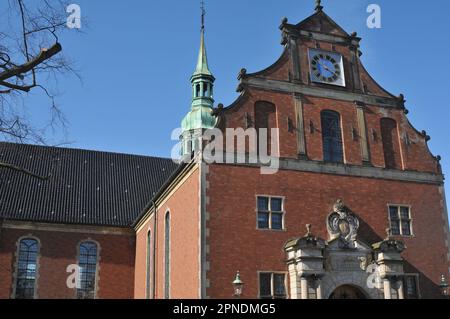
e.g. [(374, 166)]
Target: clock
[(326, 67)]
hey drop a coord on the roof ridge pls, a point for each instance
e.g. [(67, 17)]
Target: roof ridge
[(81, 150)]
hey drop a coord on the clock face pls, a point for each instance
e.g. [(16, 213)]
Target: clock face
[(326, 67)]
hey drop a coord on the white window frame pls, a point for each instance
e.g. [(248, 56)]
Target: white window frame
[(399, 206), (272, 283), (282, 212)]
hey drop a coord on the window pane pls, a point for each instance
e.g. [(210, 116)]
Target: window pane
[(411, 287), (404, 213), (87, 261), (406, 228), (26, 269), (277, 221), (263, 204), (279, 286), (276, 205), (263, 220), (265, 289), (393, 213), (395, 228), (332, 137)]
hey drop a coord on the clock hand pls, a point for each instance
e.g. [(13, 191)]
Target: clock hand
[(328, 69)]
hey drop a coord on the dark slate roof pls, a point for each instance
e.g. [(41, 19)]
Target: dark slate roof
[(85, 187)]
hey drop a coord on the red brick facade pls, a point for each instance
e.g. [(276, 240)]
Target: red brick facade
[(213, 208), (183, 206), (236, 242), (58, 250)]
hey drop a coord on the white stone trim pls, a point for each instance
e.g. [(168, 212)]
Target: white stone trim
[(334, 280), (66, 228), (204, 231), (348, 170)]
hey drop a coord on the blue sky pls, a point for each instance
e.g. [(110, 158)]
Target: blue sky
[(136, 58)]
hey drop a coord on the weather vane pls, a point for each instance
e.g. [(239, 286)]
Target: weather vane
[(202, 3), (319, 5)]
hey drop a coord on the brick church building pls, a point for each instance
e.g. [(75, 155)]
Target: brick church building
[(356, 210)]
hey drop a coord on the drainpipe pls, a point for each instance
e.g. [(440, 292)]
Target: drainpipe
[(155, 235)]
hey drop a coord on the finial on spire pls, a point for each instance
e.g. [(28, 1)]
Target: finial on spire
[(308, 230), (202, 7), (319, 6)]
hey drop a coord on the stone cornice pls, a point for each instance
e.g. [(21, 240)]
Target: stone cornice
[(289, 88), (66, 228), (354, 171)]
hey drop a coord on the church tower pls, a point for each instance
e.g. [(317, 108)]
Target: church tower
[(200, 117)]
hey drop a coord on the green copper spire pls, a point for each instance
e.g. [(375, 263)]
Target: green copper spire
[(202, 62), (200, 117)]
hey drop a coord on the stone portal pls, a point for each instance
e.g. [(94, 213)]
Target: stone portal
[(344, 266)]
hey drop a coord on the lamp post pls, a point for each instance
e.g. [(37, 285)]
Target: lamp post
[(444, 286), (238, 285)]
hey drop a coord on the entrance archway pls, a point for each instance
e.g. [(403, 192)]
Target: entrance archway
[(348, 292)]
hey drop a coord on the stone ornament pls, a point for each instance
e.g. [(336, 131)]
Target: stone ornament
[(342, 224)]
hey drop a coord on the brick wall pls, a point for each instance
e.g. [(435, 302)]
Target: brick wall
[(58, 250), (183, 204), (236, 244)]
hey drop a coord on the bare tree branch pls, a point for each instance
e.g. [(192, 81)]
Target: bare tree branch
[(31, 64), (24, 171), (31, 60)]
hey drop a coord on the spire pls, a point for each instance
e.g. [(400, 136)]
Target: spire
[(319, 6), (201, 116), (202, 63)]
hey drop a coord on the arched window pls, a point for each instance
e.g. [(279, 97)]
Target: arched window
[(197, 90), (27, 269), (167, 257), (148, 261), (388, 135), (265, 118), (332, 137), (87, 263)]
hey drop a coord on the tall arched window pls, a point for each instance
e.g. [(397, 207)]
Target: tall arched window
[(87, 262), (332, 137), (388, 135), (27, 269), (265, 118), (148, 261), (167, 257)]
